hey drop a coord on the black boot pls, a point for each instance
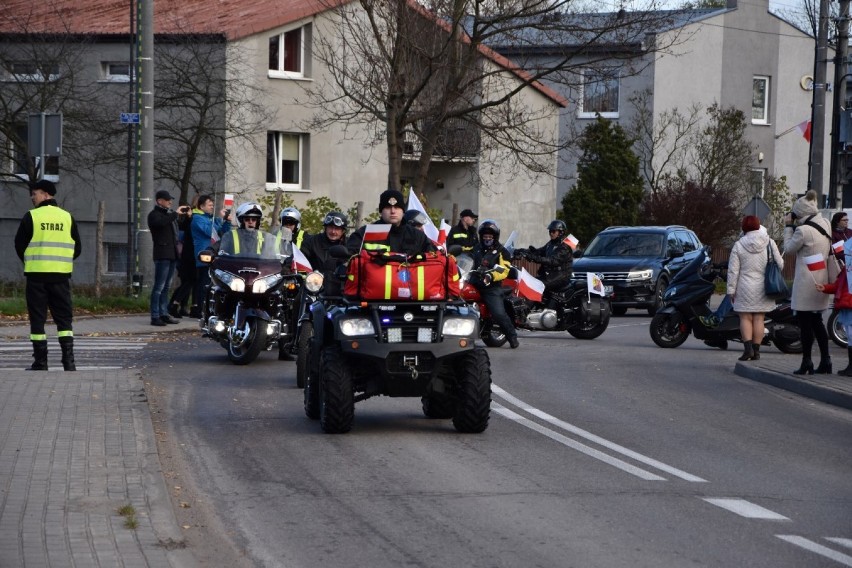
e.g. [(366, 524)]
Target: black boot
[(67, 345), (748, 351), (807, 367), (824, 367), (756, 348), (847, 372), (40, 356)]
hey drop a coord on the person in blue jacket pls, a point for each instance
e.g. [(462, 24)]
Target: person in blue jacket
[(204, 227)]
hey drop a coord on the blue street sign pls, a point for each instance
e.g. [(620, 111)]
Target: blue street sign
[(129, 118)]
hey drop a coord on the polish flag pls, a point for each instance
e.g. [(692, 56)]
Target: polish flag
[(571, 241), (229, 200), (529, 286), (300, 261), (443, 231), (595, 284), (815, 262), (429, 228), (376, 232), (838, 247), (805, 129)]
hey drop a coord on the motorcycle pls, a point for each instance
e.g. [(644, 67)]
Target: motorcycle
[(575, 311), (686, 301), (250, 303)]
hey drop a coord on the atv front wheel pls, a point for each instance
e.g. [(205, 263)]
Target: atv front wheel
[(337, 399), (473, 392)]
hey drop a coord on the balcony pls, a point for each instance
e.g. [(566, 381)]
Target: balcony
[(457, 142)]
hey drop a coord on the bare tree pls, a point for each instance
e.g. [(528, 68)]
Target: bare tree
[(426, 76), (201, 108)]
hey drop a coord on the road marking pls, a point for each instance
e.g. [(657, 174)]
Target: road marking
[(594, 438), (812, 546), (847, 542), (746, 509), (564, 440)]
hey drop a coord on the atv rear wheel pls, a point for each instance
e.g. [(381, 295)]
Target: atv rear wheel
[(337, 399), (473, 392)]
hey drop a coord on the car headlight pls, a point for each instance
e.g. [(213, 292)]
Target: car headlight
[(459, 326), (261, 285), (357, 326), (640, 274), (232, 281), (313, 282)]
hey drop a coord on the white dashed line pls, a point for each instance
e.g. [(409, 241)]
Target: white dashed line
[(847, 542), (746, 509), (814, 547)]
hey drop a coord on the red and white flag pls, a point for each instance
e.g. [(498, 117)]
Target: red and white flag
[(571, 241), (838, 247), (429, 228), (376, 232), (300, 261), (529, 286), (229, 200), (595, 284), (815, 262), (805, 129), (443, 232)]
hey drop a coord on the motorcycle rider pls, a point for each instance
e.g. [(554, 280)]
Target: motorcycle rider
[(316, 247), (555, 259), (493, 258), (292, 219), (402, 238), (248, 240), (415, 218)]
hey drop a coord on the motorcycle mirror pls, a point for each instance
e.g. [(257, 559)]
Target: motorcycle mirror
[(338, 252), (206, 256), (509, 245)]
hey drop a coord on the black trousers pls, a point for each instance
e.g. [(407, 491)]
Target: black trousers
[(811, 326), (492, 297), (55, 296)]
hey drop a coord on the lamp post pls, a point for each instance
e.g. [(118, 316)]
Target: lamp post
[(837, 170)]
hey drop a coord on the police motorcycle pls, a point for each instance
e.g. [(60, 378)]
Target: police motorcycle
[(252, 295), (572, 309), (686, 310)]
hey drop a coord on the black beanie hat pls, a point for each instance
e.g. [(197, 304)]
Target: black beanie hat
[(391, 197), (46, 186)]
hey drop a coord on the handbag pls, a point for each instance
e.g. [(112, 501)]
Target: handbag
[(774, 284)]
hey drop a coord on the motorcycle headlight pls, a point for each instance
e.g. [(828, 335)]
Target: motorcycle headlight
[(640, 275), (459, 326), (261, 285), (357, 326), (232, 281), (313, 282)]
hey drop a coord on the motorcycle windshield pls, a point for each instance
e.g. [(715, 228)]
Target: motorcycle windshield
[(256, 245)]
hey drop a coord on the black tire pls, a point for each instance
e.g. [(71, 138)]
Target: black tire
[(591, 330), (473, 392), (835, 331), (438, 406), (789, 347), (312, 382), (284, 351), (669, 330), (252, 346), (619, 310), (303, 342), (337, 399), (659, 291), (493, 336)]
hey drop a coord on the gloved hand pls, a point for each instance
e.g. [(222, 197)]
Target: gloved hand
[(534, 258), (520, 254), (531, 249), (487, 279)]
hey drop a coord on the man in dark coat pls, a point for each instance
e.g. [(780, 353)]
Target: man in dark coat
[(163, 224), (464, 234), (400, 237)]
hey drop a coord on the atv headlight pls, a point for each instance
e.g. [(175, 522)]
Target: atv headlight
[(313, 282), (357, 326), (640, 274), (459, 326), (232, 281), (261, 285)]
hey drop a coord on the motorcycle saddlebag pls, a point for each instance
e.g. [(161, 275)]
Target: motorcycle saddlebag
[(593, 311), (386, 276)]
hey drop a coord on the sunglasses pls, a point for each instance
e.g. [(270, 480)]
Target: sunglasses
[(333, 220)]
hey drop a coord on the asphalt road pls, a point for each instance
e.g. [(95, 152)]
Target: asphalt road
[(605, 453)]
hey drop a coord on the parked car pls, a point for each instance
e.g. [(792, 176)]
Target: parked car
[(637, 263)]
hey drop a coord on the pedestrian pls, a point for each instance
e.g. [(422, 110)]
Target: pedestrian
[(401, 237), (746, 283), (163, 224), (492, 263), (464, 233), (840, 230), (807, 234), (843, 301), (47, 242), (207, 230), (185, 269), (555, 261)]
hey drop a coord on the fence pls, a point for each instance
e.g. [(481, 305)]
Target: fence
[(721, 254)]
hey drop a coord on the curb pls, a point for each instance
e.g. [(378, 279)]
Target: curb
[(802, 387)]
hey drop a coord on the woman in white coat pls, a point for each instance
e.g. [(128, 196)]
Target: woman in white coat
[(746, 273), (808, 233)]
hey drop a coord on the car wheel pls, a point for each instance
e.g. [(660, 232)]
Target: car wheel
[(659, 291)]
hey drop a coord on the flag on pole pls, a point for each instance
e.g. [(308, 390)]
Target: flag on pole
[(376, 232), (229, 200), (429, 228), (815, 262), (571, 241), (838, 247), (300, 261), (805, 129), (529, 286), (595, 284), (443, 232)]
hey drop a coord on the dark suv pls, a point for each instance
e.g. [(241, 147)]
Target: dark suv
[(637, 263)]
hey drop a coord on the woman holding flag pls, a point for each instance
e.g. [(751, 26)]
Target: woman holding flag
[(807, 234)]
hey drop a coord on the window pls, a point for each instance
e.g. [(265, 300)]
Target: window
[(289, 53), (115, 72), (286, 156), (760, 101), (32, 72), (21, 160), (756, 180), (116, 257), (599, 93)]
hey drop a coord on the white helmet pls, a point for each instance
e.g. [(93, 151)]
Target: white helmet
[(250, 209), (291, 213)]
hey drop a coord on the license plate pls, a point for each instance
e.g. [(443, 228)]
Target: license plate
[(608, 289)]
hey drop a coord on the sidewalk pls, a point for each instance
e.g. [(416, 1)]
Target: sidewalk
[(76, 447)]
